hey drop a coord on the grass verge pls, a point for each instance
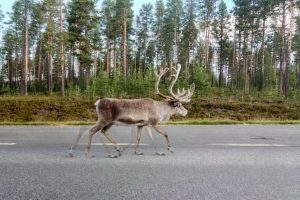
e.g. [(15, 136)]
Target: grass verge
[(183, 122), (229, 122)]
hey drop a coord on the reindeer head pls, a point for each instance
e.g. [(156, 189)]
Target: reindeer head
[(175, 100)]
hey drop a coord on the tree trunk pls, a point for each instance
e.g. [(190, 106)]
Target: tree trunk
[(88, 72), (238, 62), (233, 56), (25, 50), (115, 55), (16, 67), (289, 50), (221, 64), (208, 70), (80, 67), (263, 56), (251, 69), (298, 70), (107, 58), (282, 52), (10, 68), (62, 53), (50, 64), (125, 69), (245, 67), (274, 64), (162, 58), (95, 63), (100, 63), (40, 59), (145, 55), (200, 56), (71, 67)]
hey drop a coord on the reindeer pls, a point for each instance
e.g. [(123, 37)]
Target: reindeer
[(139, 112)]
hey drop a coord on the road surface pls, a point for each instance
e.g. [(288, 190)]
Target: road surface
[(230, 162)]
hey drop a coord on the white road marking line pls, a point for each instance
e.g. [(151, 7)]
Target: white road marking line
[(250, 145), (7, 144), (112, 144)]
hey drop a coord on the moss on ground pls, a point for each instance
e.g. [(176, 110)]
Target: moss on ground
[(80, 110), (46, 109)]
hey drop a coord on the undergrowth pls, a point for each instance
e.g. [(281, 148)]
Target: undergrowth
[(79, 109)]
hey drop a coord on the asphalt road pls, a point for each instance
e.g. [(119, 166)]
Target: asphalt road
[(236, 162)]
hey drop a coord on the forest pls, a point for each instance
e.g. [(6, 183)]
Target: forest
[(93, 48)]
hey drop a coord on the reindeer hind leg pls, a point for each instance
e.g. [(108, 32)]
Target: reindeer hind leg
[(148, 129), (138, 138), (112, 140), (165, 134)]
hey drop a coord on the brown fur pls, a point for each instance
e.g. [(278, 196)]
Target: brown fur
[(126, 110)]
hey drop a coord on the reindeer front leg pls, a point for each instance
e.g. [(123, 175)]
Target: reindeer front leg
[(152, 142), (164, 133), (138, 138)]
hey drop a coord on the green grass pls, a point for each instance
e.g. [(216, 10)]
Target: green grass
[(47, 123), (225, 122), (172, 122), (41, 110)]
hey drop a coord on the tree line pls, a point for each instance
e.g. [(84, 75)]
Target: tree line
[(57, 46)]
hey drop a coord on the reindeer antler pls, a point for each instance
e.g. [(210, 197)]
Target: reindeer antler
[(175, 76), (158, 77), (183, 95), (187, 97)]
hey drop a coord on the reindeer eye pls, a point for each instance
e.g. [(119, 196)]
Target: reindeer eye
[(176, 104)]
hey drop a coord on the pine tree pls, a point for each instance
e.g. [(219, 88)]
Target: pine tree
[(286, 74), (220, 30), (7, 50), (1, 19), (36, 35), (62, 48), (158, 28), (15, 24), (25, 49), (124, 18), (243, 26), (207, 13), (146, 21), (171, 30), (189, 33), (282, 65), (50, 13), (265, 10), (110, 32), (296, 48), (82, 21)]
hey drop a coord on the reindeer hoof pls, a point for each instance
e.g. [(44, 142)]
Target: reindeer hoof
[(160, 153), (71, 154), (118, 148), (112, 156), (119, 154), (90, 155), (138, 153), (170, 149)]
